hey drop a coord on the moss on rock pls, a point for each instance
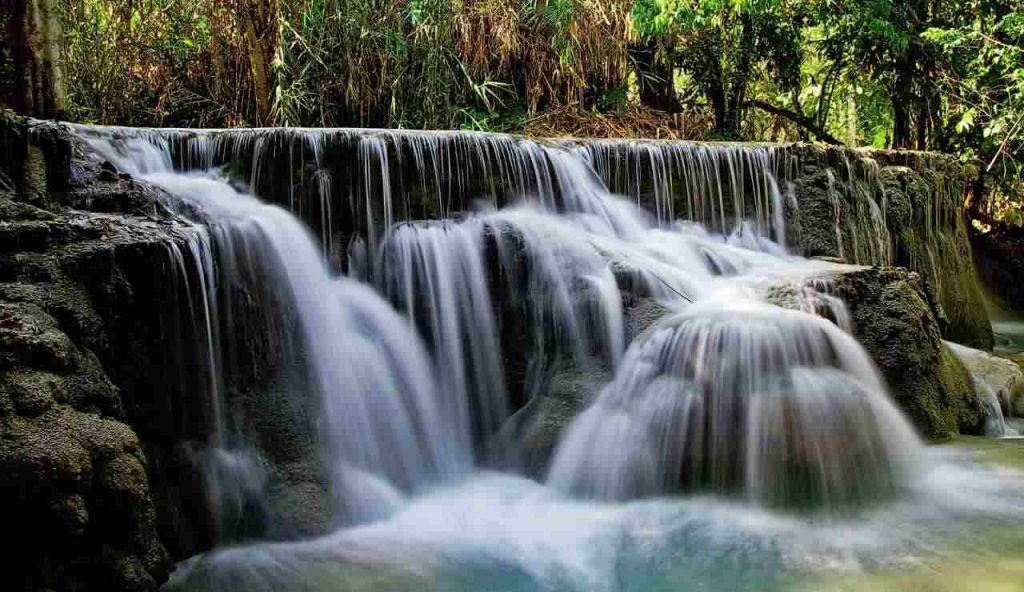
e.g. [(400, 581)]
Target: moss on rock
[(75, 484), (1015, 406), (893, 208), (894, 318), (32, 392), (533, 433), (74, 488)]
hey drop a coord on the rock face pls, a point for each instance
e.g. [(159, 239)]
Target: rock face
[(106, 418), (893, 314), (897, 209), (75, 497)]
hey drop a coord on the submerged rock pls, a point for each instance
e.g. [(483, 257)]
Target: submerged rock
[(529, 438)]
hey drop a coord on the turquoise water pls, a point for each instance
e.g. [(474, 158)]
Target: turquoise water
[(502, 533)]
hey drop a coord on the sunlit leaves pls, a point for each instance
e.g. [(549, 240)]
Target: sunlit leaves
[(983, 80)]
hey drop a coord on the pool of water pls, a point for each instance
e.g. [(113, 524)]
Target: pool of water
[(962, 516)]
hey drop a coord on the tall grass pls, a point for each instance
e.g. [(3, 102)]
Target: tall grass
[(403, 63)]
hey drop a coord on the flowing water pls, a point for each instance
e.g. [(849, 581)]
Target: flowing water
[(736, 445)]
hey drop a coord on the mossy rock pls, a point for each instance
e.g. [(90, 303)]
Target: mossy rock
[(933, 240), (894, 318), (45, 448), (1016, 402), (30, 336), (1004, 377), (908, 213), (75, 485), (33, 392), (533, 433)]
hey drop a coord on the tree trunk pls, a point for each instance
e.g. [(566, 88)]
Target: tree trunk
[(258, 64), (923, 116), (18, 34), (851, 120), (901, 137), (34, 36), (655, 77), (720, 107)]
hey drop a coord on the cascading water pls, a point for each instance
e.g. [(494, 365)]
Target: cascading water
[(734, 396), (436, 274), (732, 404), (381, 422)]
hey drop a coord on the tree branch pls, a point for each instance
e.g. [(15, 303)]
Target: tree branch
[(801, 120)]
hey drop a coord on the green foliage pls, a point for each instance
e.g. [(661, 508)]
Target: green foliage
[(727, 45), (932, 74), (983, 82), (409, 63)]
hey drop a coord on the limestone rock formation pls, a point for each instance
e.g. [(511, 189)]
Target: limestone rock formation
[(898, 209), (893, 313), (74, 480)]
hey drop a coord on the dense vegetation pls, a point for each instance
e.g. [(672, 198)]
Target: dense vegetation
[(927, 74)]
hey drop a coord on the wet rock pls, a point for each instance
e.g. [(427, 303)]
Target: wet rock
[(893, 314), (1015, 408), (934, 241), (640, 314), (37, 158), (24, 236), (1004, 377), (894, 209), (32, 392), (531, 435), (74, 486), (75, 498), (30, 336)]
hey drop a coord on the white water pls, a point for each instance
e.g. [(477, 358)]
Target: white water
[(730, 398), (504, 533), (382, 425), (737, 396)]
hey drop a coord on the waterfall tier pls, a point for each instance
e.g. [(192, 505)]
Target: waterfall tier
[(862, 206)]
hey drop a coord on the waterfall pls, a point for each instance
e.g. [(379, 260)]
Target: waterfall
[(737, 397), (411, 308), (443, 259), (436, 274), (382, 428), (513, 364)]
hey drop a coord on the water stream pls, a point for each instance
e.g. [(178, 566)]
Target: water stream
[(736, 445)]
